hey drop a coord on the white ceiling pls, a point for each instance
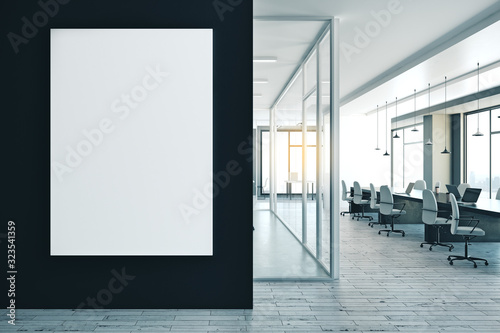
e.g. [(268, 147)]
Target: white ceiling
[(416, 31)]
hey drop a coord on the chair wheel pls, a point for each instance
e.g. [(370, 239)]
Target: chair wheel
[(421, 245), (486, 263), (387, 234), (451, 262), (449, 258), (475, 266), (450, 249), (379, 232), (403, 234), (430, 249)]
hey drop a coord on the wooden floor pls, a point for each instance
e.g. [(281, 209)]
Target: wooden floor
[(387, 284)]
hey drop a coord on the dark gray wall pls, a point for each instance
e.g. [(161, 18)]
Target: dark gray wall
[(223, 280)]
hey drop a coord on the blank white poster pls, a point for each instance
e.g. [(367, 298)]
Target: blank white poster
[(131, 142)]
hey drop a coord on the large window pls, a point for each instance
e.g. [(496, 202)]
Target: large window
[(408, 156), (481, 163)]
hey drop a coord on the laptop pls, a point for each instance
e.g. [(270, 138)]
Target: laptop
[(471, 195), (454, 189), (408, 189)]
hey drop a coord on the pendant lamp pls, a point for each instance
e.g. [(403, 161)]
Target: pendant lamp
[(396, 136), (386, 153), (445, 151), (429, 141), (478, 133)]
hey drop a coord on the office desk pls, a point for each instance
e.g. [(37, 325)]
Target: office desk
[(289, 187), (486, 210)]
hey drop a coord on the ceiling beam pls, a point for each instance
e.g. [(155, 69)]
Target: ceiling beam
[(466, 29)]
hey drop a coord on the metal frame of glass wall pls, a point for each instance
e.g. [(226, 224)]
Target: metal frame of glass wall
[(319, 113)]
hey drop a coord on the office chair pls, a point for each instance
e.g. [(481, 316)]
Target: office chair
[(420, 185), (375, 205), (461, 188), (346, 198), (467, 232), (358, 200), (387, 208), (498, 194), (429, 217)]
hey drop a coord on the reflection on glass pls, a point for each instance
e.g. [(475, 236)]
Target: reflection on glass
[(288, 145), (311, 72), (397, 163), (265, 163), (495, 164), (495, 120), (323, 189), (478, 153), (311, 199)]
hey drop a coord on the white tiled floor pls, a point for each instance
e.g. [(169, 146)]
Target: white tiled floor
[(387, 284)]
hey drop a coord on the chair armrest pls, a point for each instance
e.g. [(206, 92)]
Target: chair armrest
[(470, 221), (399, 203)]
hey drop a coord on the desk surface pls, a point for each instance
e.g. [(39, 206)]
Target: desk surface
[(484, 205)]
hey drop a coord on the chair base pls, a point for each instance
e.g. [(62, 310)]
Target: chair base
[(371, 224), (466, 256), (438, 241), (379, 222), (449, 246), (453, 258), (362, 216), (392, 228), (347, 212)]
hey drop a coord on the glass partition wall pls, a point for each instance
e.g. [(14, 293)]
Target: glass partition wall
[(300, 155), (482, 160)]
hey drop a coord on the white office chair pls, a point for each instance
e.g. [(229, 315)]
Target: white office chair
[(429, 217), (461, 188), (387, 208), (467, 232), (346, 198), (498, 194), (420, 185), (375, 205), (358, 200)]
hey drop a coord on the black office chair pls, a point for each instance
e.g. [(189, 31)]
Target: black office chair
[(387, 208)]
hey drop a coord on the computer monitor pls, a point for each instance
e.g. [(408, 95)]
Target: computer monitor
[(409, 188), (471, 195), (454, 189)]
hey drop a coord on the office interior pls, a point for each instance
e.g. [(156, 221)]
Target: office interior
[(333, 83)]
